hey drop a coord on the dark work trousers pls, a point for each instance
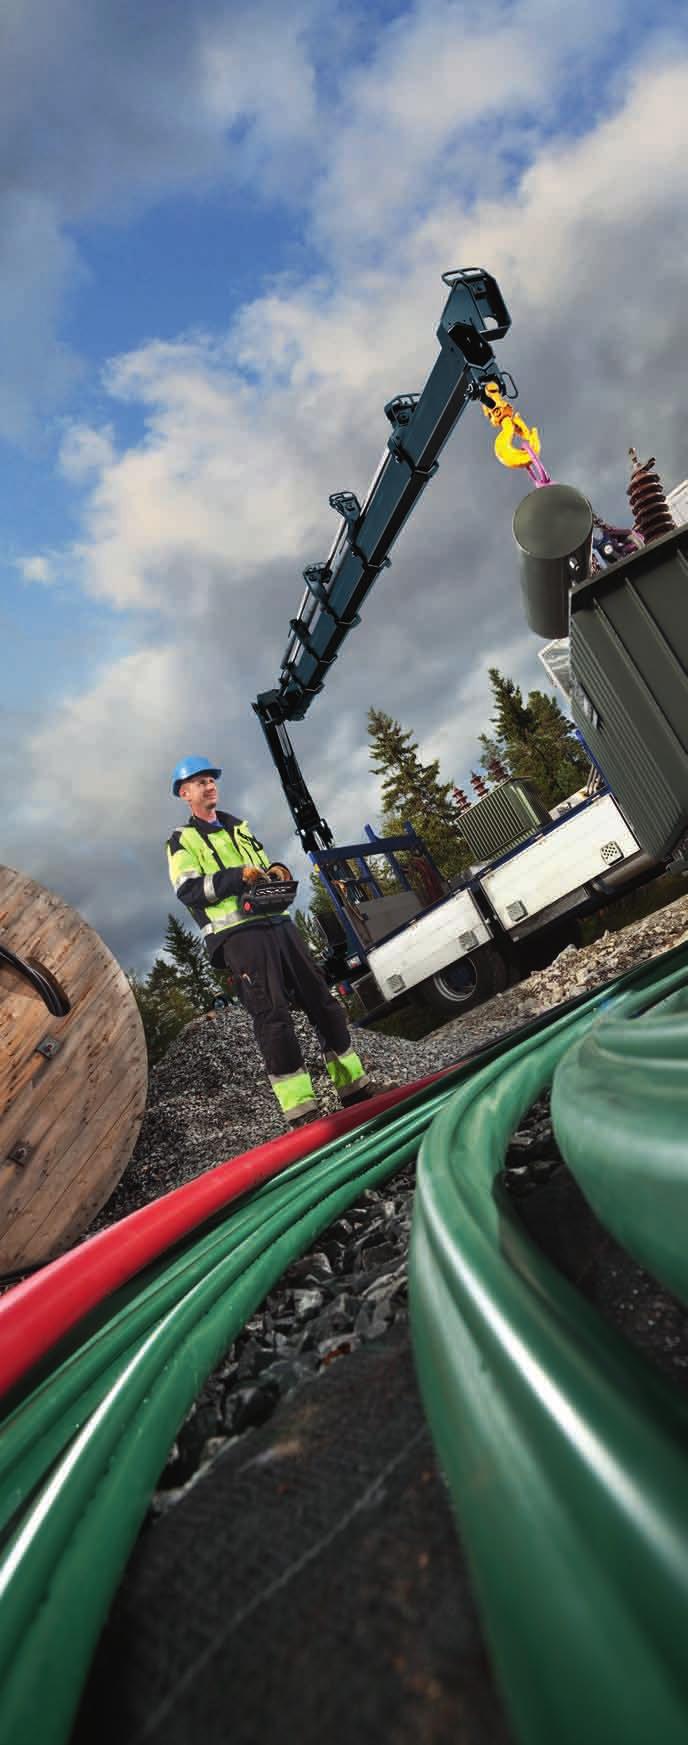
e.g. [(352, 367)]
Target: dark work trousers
[(269, 964)]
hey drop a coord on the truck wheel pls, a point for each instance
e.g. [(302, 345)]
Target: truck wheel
[(467, 983)]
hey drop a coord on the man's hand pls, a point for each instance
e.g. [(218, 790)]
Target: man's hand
[(251, 873)]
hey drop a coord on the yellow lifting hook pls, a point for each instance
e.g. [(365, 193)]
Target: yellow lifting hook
[(510, 424)]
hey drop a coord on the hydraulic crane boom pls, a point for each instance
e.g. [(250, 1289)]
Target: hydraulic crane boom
[(473, 315)]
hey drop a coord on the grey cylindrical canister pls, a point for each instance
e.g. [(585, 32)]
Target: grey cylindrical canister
[(553, 531)]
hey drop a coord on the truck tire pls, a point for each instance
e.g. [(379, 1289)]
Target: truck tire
[(461, 986)]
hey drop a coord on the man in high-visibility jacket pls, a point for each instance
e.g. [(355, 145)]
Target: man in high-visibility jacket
[(213, 861)]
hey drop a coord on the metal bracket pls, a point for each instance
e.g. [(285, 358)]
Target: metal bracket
[(307, 643), (372, 569), (503, 380), (313, 577), (398, 453), (290, 680), (49, 1047), (347, 505), (400, 410)]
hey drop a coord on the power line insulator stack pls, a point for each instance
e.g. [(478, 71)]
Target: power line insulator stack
[(496, 770), (478, 784), (460, 799), (652, 517)]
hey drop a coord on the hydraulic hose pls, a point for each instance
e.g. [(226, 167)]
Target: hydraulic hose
[(564, 1451), (620, 1115)]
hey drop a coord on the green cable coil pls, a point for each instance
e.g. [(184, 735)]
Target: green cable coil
[(564, 1451), (620, 1114)]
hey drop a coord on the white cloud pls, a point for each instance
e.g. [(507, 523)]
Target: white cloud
[(205, 524), (105, 105), (108, 106), (448, 101), (85, 452), (37, 569), (38, 264)]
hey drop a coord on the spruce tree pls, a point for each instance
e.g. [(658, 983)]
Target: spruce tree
[(413, 792), (196, 978), (534, 740), (164, 1007), (319, 900), (308, 926)]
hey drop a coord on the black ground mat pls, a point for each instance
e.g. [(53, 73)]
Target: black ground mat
[(309, 1587)]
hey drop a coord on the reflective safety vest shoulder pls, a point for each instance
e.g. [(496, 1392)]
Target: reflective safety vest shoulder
[(204, 867)]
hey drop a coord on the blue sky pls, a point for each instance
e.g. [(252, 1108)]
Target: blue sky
[(223, 230)]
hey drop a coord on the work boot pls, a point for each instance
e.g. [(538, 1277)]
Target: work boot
[(302, 1121), (372, 1089)]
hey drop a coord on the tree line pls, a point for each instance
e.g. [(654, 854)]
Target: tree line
[(532, 739)]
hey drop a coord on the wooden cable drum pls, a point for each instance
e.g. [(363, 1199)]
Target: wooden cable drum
[(73, 1073)]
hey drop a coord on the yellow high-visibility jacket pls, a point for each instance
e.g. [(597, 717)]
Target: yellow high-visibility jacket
[(205, 862)]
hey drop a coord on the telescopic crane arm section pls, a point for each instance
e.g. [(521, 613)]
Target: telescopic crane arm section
[(314, 831), (474, 314)]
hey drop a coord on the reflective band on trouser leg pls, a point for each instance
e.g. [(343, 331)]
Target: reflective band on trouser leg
[(346, 1071), (294, 1093)]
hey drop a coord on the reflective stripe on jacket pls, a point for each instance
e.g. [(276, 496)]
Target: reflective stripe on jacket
[(205, 870)]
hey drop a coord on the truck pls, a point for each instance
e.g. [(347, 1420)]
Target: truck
[(534, 871)]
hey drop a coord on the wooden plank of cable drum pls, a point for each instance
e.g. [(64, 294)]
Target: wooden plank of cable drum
[(72, 1086)]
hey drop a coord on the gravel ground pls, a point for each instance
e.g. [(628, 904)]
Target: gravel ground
[(210, 1098), (349, 1290)]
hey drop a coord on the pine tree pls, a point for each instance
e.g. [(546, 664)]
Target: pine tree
[(164, 1007), (319, 898), (309, 929), (175, 992), (413, 792), (197, 979), (534, 740)]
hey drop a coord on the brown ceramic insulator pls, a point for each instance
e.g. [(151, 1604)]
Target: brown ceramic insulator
[(478, 783), (496, 771), (651, 513), (460, 799)]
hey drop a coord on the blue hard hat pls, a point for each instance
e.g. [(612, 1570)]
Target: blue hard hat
[(192, 766)]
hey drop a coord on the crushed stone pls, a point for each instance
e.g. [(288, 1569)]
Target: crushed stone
[(210, 1098)]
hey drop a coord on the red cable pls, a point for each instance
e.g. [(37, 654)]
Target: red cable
[(35, 1314)]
